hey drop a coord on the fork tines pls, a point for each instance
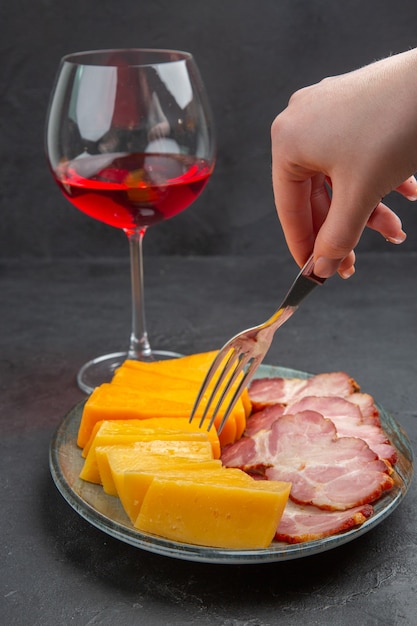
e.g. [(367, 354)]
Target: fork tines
[(236, 362)]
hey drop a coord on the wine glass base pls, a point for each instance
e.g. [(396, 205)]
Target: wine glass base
[(101, 369)]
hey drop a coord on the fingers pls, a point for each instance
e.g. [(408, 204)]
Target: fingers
[(326, 267), (340, 232), (320, 204), (331, 250), (387, 223), (302, 209), (408, 188), (292, 200), (347, 267), (343, 226), (332, 227)]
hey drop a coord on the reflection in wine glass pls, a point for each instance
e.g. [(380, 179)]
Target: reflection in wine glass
[(130, 142)]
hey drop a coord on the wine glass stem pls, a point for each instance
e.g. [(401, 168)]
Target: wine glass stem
[(139, 347)]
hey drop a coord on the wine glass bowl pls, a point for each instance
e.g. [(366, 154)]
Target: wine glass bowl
[(130, 142)]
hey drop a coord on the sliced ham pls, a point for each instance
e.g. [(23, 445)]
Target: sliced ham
[(330, 472), (349, 422), (263, 420), (308, 523), (345, 415), (324, 436), (336, 396), (366, 404), (266, 391)]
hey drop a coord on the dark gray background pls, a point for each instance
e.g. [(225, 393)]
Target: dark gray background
[(252, 54), (57, 568)]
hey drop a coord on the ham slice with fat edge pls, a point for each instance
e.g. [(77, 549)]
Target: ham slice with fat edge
[(308, 523), (349, 422), (327, 471), (347, 416), (266, 391)]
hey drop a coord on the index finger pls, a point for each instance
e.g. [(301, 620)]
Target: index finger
[(302, 206)]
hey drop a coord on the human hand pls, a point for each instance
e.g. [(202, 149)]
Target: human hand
[(356, 135)]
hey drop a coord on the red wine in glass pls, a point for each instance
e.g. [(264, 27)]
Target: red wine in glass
[(133, 191), (130, 142)]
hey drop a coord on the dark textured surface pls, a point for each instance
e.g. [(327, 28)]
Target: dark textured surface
[(59, 570), (252, 56)]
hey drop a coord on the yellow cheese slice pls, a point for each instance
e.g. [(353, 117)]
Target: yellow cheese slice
[(114, 460), (106, 435), (192, 368), (160, 389), (120, 428), (222, 516), (113, 402), (134, 485)]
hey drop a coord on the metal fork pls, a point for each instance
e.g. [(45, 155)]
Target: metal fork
[(247, 350)]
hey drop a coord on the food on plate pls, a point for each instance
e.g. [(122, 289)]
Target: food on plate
[(114, 460), (278, 390), (342, 414), (119, 467), (217, 515), (111, 402), (346, 415), (349, 422), (331, 472), (299, 459), (134, 484), (301, 523), (151, 390), (111, 432), (193, 368), (122, 431), (163, 442), (211, 498)]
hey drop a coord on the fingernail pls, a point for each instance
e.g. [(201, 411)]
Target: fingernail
[(348, 273), (411, 198), (325, 268), (398, 239)]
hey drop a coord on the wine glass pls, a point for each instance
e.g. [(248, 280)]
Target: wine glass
[(130, 142)]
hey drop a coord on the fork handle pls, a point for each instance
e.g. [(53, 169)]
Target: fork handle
[(305, 282), (308, 271)]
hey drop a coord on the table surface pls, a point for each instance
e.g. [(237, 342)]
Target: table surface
[(58, 569)]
